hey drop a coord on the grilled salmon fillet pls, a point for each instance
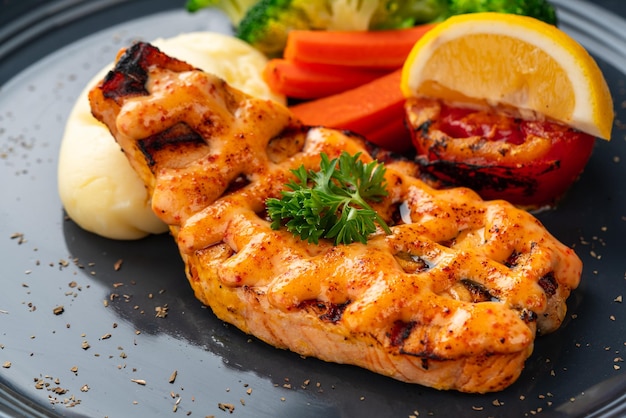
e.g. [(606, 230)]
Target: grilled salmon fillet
[(453, 298)]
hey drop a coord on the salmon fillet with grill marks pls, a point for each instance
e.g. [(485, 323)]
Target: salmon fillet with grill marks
[(453, 298)]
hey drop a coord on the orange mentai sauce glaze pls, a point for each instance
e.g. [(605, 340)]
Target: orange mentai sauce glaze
[(530, 163)]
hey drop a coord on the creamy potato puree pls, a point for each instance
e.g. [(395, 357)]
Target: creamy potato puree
[(97, 186)]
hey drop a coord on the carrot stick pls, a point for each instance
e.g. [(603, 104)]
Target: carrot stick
[(366, 110), (375, 49), (310, 81)]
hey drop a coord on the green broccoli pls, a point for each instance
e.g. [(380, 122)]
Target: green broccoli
[(267, 23), (234, 9), (539, 9), (398, 14)]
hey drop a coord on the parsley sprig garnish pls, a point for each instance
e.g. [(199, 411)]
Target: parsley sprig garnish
[(332, 202)]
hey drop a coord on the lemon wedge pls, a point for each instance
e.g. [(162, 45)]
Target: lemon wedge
[(511, 61)]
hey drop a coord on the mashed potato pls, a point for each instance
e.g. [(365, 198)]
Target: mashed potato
[(97, 186)]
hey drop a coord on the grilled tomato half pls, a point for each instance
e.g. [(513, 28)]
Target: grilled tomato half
[(527, 162)]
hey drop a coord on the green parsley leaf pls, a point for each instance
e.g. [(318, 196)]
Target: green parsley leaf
[(332, 202)]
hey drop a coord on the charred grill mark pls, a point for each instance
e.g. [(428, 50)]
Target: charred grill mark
[(238, 183), (478, 292), (396, 214), (478, 144), (354, 135), (448, 243), (549, 284), (286, 144), (398, 335), (117, 84), (528, 316), (334, 312), (513, 259), (130, 74), (399, 332), (424, 128), (477, 177), (411, 263), (326, 311), (175, 136), (439, 144), (386, 156)]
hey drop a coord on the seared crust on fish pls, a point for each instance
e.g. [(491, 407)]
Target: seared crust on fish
[(453, 298)]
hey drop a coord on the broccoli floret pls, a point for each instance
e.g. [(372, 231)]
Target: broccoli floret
[(267, 23), (398, 14), (539, 9), (234, 9)]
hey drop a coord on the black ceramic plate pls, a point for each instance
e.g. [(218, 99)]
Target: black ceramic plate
[(91, 359)]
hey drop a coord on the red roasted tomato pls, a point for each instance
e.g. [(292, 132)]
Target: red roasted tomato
[(528, 163)]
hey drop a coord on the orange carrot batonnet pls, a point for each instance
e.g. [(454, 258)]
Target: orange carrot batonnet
[(304, 80), (372, 49), (368, 110)]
